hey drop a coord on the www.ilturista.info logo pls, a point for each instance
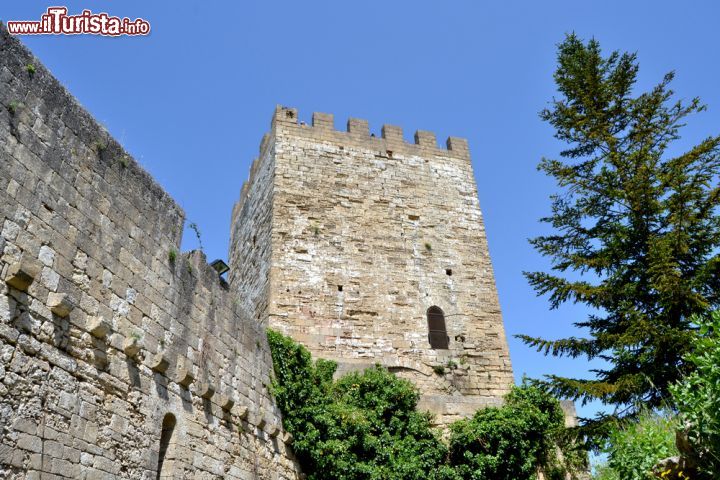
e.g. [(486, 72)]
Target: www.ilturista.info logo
[(56, 21)]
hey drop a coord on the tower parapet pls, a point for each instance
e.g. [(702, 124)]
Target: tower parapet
[(358, 133)]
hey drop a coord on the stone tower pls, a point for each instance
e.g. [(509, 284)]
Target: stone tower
[(373, 250)]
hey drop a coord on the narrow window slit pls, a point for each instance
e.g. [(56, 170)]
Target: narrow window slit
[(437, 332)]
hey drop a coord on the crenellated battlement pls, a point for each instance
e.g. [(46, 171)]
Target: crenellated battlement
[(358, 133)]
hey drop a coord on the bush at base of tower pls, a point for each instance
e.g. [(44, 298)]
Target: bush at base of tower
[(365, 426)]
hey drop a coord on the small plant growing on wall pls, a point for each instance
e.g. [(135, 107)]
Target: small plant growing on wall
[(194, 227), (30, 69), (124, 161), (172, 255), (13, 107), (428, 247), (439, 369), (100, 146)]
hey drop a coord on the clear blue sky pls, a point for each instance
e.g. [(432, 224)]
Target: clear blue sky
[(192, 100)]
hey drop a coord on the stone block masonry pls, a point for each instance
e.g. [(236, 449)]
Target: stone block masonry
[(118, 355), (372, 250)]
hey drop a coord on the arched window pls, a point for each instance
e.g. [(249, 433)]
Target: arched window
[(437, 333), (167, 443)]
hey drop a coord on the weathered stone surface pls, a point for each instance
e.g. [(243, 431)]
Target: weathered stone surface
[(22, 273), (226, 402), (241, 411), (98, 327), (132, 346), (184, 376), (61, 304), (260, 420), (159, 363), (205, 390)]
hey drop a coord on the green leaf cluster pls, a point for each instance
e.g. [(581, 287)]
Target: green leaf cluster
[(698, 397), (515, 441), (636, 446), (366, 426), (636, 230), (363, 426)]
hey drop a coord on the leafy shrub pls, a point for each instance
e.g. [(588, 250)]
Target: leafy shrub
[(515, 441), (698, 397), (635, 447), (363, 426)]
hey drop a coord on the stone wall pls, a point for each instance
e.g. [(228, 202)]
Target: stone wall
[(250, 243), (366, 234), (105, 328)]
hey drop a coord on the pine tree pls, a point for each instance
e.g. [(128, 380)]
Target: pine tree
[(636, 230)]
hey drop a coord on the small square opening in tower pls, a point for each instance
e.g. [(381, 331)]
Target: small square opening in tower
[(339, 288), (448, 272)]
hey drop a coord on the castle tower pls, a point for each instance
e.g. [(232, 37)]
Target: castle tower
[(372, 250)]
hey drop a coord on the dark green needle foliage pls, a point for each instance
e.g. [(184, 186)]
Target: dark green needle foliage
[(635, 225)]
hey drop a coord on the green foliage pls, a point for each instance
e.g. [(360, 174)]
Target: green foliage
[(100, 147), (637, 230), (124, 161), (365, 426), (635, 447), (13, 107), (172, 255), (604, 472), (30, 69), (698, 396), (428, 247), (194, 227), (448, 367), (515, 441)]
